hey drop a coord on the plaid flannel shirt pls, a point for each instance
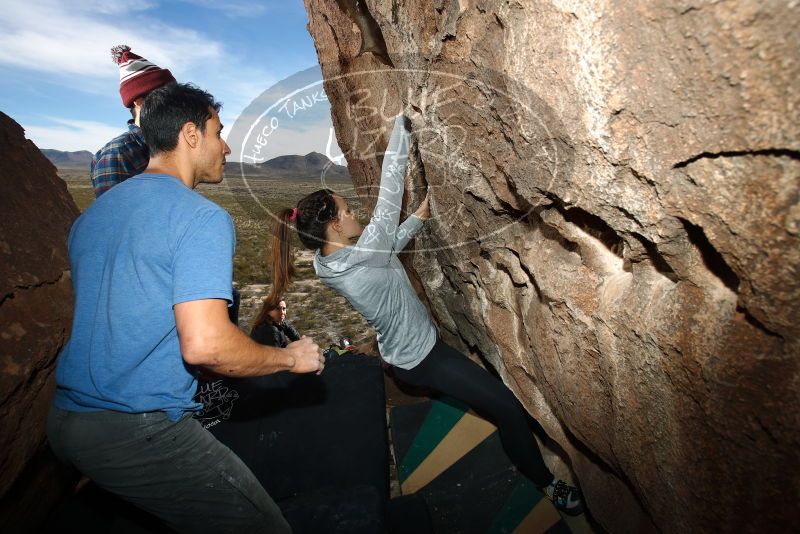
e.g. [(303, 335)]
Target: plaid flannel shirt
[(122, 157)]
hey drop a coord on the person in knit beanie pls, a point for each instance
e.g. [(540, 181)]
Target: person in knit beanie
[(126, 155)]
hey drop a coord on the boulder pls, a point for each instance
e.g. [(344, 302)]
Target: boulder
[(36, 212), (615, 229)]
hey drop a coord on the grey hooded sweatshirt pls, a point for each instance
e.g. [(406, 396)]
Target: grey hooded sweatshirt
[(370, 275)]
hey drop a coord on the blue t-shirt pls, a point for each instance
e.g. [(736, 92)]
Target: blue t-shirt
[(145, 245)]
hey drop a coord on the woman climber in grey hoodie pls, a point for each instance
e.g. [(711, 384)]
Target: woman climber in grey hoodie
[(362, 265)]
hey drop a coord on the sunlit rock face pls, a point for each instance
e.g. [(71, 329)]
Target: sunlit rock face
[(616, 228), (36, 213)]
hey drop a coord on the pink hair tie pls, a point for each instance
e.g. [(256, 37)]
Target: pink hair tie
[(293, 216)]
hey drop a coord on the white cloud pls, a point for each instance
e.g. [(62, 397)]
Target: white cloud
[(231, 8), (105, 7), (71, 135), (68, 44), (41, 35), (72, 45)]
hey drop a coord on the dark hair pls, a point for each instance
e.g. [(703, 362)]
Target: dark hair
[(314, 212), (167, 108)]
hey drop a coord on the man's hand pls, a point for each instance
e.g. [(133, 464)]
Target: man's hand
[(424, 209), (307, 356)]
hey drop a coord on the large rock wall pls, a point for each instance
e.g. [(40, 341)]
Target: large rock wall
[(616, 228), (36, 213)]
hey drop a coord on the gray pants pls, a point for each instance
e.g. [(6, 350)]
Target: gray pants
[(177, 471)]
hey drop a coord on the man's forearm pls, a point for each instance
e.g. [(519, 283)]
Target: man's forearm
[(210, 340), (225, 350)]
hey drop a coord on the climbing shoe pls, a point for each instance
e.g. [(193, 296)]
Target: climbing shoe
[(566, 498)]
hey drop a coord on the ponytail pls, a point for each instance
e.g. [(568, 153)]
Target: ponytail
[(310, 217), (282, 257)]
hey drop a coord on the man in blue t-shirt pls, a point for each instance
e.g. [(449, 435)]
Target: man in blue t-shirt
[(151, 302)]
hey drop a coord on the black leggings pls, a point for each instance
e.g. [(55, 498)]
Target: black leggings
[(447, 371)]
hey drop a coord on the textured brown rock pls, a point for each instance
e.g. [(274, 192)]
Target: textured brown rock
[(617, 229), (36, 212)]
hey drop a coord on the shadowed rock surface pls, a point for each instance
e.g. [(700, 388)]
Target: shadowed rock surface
[(616, 229), (36, 213)]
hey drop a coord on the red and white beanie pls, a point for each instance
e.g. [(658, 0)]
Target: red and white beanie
[(137, 76)]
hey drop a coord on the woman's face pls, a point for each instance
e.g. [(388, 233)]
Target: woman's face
[(278, 315), (350, 227)]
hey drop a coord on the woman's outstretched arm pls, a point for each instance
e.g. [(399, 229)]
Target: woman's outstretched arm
[(412, 225), (376, 243)]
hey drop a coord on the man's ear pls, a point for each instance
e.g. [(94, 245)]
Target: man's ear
[(190, 134)]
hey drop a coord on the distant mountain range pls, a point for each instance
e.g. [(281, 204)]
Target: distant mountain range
[(312, 165), (69, 160)]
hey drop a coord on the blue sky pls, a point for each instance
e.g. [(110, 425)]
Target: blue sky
[(58, 81)]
